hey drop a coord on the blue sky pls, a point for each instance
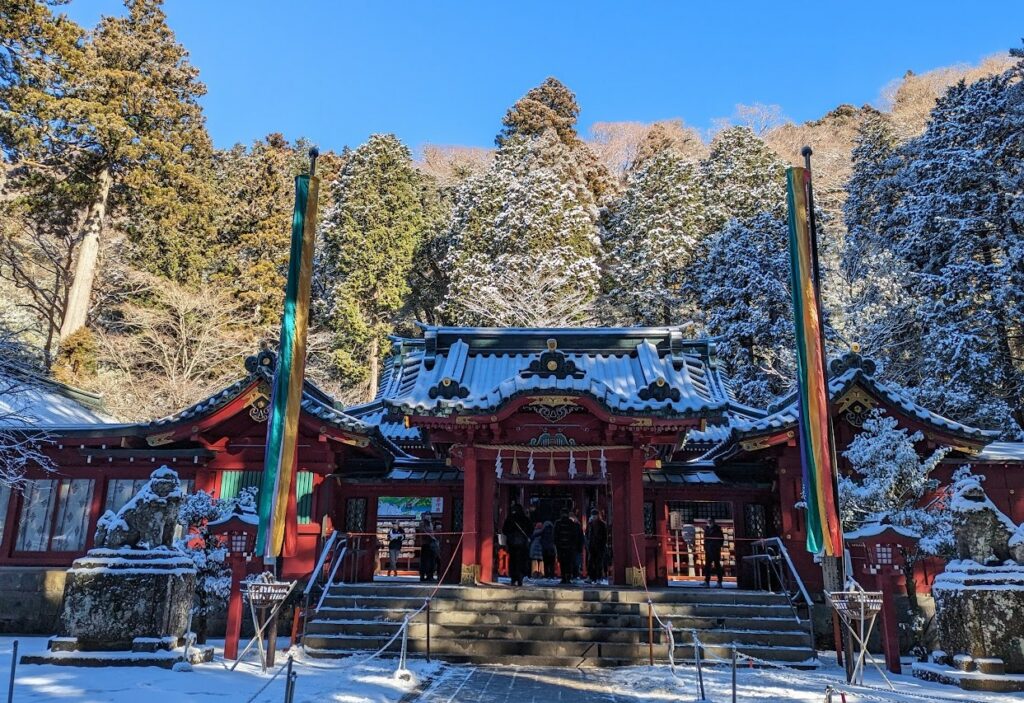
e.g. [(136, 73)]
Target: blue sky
[(440, 72)]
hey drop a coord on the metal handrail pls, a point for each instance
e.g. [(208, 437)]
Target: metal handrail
[(793, 573), (334, 570), (315, 573)]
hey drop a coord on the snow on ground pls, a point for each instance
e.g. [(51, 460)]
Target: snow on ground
[(353, 680), (329, 681), (790, 685)]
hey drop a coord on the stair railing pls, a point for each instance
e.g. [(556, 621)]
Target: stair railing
[(335, 550), (789, 580)]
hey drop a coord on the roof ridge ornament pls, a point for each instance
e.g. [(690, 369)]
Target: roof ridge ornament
[(449, 389), (852, 360), (553, 363), (659, 390), (263, 362)]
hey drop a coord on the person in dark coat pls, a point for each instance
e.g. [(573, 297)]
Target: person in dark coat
[(425, 541), (713, 541), (518, 531), (547, 540), (597, 546), (567, 543)]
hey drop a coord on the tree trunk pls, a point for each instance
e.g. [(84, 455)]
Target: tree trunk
[(77, 311), (374, 359)]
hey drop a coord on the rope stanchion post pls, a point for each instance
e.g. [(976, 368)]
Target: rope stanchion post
[(289, 683), (14, 668), (427, 606), (650, 632), (697, 657), (733, 673)]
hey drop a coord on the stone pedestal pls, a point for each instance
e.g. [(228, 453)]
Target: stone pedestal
[(980, 612), (128, 599)]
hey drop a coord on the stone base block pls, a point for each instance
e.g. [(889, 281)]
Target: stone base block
[(162, 659), (969, 681), (470, 574), (980, 614), (120, 600)]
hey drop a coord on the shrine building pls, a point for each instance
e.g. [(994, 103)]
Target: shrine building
[(638, 423)]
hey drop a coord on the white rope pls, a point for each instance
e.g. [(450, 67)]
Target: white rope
[(835, 684), (402, 630), (264, 686)]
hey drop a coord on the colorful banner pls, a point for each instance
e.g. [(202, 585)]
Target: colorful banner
[(277, 494), (824, 535)]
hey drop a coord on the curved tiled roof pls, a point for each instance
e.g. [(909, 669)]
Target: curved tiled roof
[(629, 370)]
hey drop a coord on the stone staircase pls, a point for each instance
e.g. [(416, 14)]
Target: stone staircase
[(558, 627)]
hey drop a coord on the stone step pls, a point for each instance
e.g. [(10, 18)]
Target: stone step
[(602, 594), (694, 609), (511, 651), (327, 617), (635, 634)]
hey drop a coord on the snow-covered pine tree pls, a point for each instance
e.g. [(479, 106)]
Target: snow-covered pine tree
[(370, 232), (740, 284), (875, 310), (891, 483), (957, 226), (208, 553), (532, 211), (653, 234), (741, 178)]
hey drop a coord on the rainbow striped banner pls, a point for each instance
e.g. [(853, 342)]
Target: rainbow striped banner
[(824, 535), (277, 494)]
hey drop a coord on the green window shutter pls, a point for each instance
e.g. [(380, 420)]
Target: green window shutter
[(232, 482), (304, 496)]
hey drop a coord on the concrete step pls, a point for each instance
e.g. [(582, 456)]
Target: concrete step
[(634, 634), (330, 617), (605, 594), (664, 609), (505, 650)]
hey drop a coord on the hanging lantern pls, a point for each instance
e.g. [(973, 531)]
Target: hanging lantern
[(515, 463), (572, 465), (498, 466), (603, 463), (531, 470)]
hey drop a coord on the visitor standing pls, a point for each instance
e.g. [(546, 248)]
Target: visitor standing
[(713, 541), (566, 542), (537, 551), (395, 539), (577, 554), (550, 552), (597, 546), (517, 530), (425, 542)]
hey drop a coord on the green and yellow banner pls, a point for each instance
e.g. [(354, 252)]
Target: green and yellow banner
[(277, 494), (824, 535)]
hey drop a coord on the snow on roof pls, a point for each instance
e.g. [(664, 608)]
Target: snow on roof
[(874, 529), (1002, 451), (846, 371), (630, 370), (41, 403)]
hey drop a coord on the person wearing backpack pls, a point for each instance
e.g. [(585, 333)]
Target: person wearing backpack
[(518, 531)]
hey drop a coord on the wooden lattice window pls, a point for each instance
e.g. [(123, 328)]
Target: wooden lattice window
[(355, 515), (755, 520)]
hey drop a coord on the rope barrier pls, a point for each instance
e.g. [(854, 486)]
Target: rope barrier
[(836, 685), (264, 686)]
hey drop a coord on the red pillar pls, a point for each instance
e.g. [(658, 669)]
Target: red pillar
[(886, 583), (233, 629), (635, 506), (485, 523), (622, 543), (661, 528), (470, 517)]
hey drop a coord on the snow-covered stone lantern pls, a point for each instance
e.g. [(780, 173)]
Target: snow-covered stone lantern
[(238, 531)]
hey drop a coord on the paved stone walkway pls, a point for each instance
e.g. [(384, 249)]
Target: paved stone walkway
[(516, 684)]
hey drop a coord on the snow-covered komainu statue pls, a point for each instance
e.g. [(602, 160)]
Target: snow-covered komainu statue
[(982, 531), (148, 520)]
